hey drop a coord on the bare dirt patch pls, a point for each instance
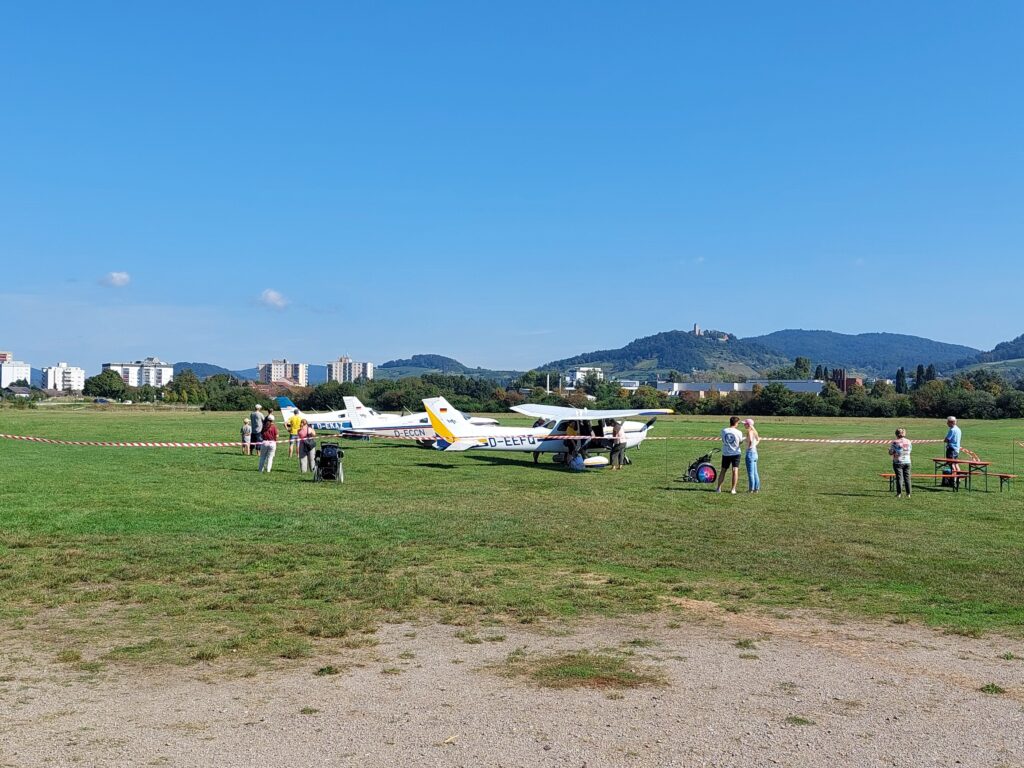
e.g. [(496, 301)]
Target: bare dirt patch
[(816, 692)]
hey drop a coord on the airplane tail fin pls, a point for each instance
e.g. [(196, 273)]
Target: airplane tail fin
[(287, 407), (448, 424), (357, 412)]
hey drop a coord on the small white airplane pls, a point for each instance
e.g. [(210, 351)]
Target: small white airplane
[(455, 434), (360, 420)]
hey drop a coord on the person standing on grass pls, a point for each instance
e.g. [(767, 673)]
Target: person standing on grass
[(953, 436), (307, 447), (753, 438), (269, 445), (246, 437), (731, 439), (256, 420), (293, 424), (900, 449), (618, 444)]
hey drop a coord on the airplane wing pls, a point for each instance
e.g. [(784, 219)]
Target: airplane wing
[(560, 412)]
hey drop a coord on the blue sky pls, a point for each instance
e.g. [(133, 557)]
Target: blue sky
[(505, 184)]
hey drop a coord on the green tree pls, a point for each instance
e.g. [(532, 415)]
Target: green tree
[(930, 374), (329, 396), (882, 388), (647, 397), (188, 388), (919, 376), (802, 367), (819, 372), (105, 384), (901, 381)]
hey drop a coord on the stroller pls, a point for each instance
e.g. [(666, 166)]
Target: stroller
[(702, 470), (328, 463)]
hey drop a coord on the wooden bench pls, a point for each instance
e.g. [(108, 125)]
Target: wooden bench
[(891, 477), (1004, 479)]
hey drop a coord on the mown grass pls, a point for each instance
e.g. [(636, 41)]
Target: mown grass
[(189, 554)]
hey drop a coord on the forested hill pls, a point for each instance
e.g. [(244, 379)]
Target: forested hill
[(202, 370), (681, 351), (418, 365), (1006, 350), (433, 362), (871, 353)]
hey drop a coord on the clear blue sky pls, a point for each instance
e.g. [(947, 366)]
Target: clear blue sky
[(505, 184)]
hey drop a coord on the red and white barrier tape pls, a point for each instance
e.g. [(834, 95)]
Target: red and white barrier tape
[(124, 444), (420, 438)]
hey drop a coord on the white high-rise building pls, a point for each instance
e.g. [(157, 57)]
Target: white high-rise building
[(578, 375), (64, 377), (346, 369), (152, 371), (282, 370), (14, 370)]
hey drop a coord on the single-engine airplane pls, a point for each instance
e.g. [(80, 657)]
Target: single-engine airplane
[(592, 430), (359, 420)]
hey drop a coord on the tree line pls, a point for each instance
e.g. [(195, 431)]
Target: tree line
[(980, 394)]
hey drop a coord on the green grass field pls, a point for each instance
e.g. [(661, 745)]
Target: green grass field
[(174, 554)]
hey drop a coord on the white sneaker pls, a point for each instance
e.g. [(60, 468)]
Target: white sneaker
[(733, 491)]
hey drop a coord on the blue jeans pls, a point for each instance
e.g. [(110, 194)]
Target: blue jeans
[(753, 479)]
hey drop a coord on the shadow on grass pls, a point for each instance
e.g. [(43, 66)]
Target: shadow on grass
[(505, 461)]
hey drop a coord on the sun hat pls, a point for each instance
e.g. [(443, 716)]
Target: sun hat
[(748, 422), (259, 407)]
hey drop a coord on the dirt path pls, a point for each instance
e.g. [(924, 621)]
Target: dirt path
[(808, 693)]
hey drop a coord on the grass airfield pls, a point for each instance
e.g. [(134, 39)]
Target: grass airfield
[(182, 555)]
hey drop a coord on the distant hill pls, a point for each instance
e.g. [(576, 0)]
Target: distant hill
[(417, 365), (317, 373), (877, 354), (433, 362), (1006, 350), (202, 370), (677, 350)]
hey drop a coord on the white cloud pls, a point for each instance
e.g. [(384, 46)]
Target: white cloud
[(116, 279), (273, 299)]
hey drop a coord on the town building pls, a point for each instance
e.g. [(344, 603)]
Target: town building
[(6, 357), (12, 370), (346, 369), (702, 389), (152, 371), (576, 376), (294, 374), (64, 378)]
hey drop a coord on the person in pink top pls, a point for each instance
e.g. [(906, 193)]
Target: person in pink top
[(307, 447)]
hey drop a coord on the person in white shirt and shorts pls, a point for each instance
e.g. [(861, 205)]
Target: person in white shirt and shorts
[(731, 440)]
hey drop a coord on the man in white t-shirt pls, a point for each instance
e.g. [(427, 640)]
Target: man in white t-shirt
[(731, 440)]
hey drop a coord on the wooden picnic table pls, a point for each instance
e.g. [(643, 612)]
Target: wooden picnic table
[(973, 467)]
